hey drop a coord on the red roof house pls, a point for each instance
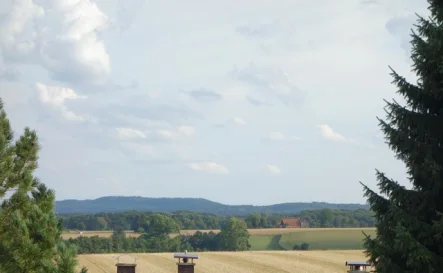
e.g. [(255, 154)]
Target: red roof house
[(293, 223)]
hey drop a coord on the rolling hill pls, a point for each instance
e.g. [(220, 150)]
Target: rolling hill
[(128, 203)]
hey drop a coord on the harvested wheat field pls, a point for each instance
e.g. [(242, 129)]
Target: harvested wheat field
[(231, 262)]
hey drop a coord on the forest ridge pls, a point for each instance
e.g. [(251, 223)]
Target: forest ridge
[(128, 203)]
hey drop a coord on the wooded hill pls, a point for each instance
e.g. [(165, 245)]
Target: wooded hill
[(136, 203)]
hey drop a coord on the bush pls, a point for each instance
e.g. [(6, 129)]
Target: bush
[(296, 247), (141, 230), (305, 246)]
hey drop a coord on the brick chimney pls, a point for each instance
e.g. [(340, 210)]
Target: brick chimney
[(125, 268), (185, 262)]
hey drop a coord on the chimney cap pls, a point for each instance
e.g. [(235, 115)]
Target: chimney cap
[(185, 255), (125, 265), (358, 263)]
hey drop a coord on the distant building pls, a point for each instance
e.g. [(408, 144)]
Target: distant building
[(294, 223)]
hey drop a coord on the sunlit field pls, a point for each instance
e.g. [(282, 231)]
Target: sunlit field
[(232, 262)]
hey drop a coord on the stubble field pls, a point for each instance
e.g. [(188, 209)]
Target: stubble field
[(232, 262)]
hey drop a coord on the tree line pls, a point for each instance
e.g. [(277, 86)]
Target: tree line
[(155, 229), (233, 236), (142, 221)]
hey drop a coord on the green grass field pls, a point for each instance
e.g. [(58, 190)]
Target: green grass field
[(318, 239), (265, 242)]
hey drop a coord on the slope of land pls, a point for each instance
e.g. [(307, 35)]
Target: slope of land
[(317, 238), (228, 262), (327, 239), (128, 203), (280, 238)]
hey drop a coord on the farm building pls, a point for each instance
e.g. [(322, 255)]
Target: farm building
[(294, 223)]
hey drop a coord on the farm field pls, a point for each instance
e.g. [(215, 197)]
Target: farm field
[(265, 242), (279, 238), (317, 238), (228, 262), (327, 239)]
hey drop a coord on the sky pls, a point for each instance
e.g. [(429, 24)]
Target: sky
[(240, 102)]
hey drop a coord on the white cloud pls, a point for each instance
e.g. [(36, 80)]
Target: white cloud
[(58, 35), (20, 14), (273, 169), (235, 93), (167, 134), (181, 131), (186, 130), (129, 133), (279, 136), (210, 167), (238, 121), (55, 96), (329, 134)]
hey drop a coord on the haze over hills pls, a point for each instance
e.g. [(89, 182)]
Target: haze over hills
[(127, 203)]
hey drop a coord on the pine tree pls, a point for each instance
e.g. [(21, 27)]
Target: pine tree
[(6, 153), (409, 221), (30, 238)]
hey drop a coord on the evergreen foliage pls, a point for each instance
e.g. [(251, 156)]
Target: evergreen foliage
[(409, 221), (30, 238)]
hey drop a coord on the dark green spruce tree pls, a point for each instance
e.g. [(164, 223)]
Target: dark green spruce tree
[(409, 235), (30, 240)]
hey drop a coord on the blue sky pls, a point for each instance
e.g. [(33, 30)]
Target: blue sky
[(240, 102)]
